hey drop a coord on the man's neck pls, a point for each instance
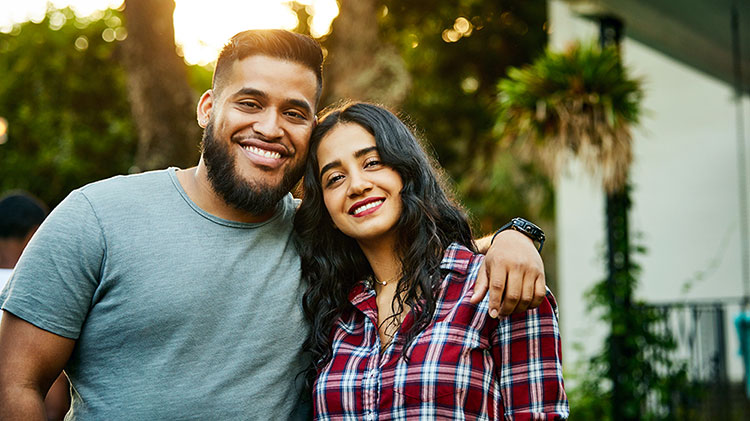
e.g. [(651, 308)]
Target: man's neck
[(198, 188)]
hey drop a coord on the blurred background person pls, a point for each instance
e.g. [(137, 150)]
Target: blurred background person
[(20, 216)]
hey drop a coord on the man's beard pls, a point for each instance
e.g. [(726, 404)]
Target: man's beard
[(250, 196)]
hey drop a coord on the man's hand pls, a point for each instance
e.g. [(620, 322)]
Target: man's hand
[(514, 268)]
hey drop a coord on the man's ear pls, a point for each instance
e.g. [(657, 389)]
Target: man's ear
[(205, 105), (315, 122)]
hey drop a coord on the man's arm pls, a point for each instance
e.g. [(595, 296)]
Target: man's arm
[(512, 267), (30, 360)]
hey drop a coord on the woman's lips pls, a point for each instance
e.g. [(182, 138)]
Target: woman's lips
[(366, 207)]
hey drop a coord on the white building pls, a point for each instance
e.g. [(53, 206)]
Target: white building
[(686, 196)]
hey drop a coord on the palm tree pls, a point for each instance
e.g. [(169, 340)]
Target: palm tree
[(577, 103), (581, 103)]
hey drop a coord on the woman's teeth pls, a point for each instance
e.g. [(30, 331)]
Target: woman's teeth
[(367, 206)]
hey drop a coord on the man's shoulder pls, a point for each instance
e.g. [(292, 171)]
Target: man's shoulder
[(123, 194), (127, 182)]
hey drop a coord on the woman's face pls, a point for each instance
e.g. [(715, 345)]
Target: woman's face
[(362, 195)]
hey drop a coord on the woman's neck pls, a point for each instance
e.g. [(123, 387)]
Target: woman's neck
[(383, 259)]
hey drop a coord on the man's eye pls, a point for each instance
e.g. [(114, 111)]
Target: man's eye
[(249, 104), (295, 114)]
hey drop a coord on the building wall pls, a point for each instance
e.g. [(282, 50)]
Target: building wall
[(685, 195)]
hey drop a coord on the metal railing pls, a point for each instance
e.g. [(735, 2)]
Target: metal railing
[(701, 331)]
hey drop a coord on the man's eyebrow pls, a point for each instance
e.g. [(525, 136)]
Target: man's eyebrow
[(358, 154), (251, 92), (301, 104)]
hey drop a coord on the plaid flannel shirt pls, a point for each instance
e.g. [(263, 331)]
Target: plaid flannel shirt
[(464, 365)]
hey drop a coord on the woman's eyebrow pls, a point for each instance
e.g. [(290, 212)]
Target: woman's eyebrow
[(358, 154), (365, 151), (328, 166)]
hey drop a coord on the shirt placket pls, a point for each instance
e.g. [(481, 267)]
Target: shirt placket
[(371, 380)]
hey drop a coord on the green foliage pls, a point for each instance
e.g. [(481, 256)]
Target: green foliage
[(583, 73), (200, 77), (453, 98), (63, 94), (650, 377)]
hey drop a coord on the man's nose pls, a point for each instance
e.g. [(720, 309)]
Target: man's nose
[(268, 124)]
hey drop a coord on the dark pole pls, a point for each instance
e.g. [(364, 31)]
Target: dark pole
[(741, 170), (624, 406)]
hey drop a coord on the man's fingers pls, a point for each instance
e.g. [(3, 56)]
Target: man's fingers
[(480, 285), (540, 291), (513, 291), (497, 289), (527, 293)]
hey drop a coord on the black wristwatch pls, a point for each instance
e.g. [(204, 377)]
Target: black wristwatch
[(525, 227)]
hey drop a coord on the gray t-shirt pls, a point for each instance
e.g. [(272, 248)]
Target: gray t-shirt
[(177, 314)]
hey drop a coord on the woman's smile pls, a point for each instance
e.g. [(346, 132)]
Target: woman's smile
[(366, 207)]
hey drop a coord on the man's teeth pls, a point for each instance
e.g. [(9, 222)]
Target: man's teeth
[(367, 206), (262, 152)]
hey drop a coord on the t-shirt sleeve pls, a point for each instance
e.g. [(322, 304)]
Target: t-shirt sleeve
[(59, 271)]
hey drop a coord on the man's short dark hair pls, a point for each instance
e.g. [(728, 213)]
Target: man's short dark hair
[(19, 214), (276, 43)]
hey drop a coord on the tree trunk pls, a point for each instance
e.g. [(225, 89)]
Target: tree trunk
[(162, 102), (359, 66)]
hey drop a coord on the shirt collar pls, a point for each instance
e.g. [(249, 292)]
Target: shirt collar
[(456, 259)]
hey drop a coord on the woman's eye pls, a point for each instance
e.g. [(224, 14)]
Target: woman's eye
[(372, 163), (333, 179)]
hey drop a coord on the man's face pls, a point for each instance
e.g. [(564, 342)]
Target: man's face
[(256, 141)]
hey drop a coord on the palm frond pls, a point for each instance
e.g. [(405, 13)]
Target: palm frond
[(580, 103)]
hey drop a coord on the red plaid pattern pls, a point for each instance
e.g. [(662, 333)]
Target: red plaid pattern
[(464, 365)]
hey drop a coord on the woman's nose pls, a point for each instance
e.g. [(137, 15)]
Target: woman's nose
[(358, 184)]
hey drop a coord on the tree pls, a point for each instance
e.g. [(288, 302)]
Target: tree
[(66, 106), (359, 65), (161, 100)]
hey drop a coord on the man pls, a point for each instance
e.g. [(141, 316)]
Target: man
[(181, 288)]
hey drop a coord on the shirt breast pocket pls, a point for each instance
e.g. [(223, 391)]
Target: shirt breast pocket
[(441, 364)]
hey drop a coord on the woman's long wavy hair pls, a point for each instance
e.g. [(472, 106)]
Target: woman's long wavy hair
[(333, 263)]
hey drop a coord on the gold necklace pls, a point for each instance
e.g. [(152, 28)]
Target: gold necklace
[(384, 283)]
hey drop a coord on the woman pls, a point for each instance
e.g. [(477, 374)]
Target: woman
[(391, 266)]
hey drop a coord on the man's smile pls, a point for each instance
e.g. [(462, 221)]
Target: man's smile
[(264, 154)]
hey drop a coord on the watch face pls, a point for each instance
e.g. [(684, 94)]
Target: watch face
[(534, 232)]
